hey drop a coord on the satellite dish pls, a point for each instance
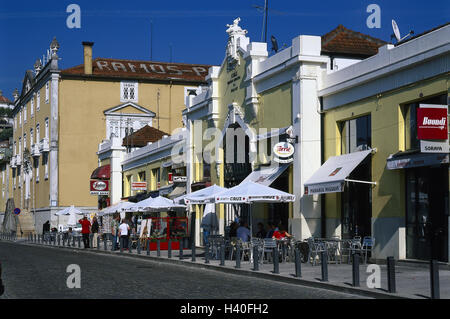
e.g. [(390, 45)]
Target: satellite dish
[(396, 30), (274, 44)]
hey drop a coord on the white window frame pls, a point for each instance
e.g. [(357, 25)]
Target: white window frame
[(24, 114), (47, 92), (20, 118), (20, 146), (31, 137), (32, 107), (46, 166), (125, 88), (24, 141), (38, 133), (38, 101), (46, 127)]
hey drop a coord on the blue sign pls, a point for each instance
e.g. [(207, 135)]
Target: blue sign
[(17, 211)]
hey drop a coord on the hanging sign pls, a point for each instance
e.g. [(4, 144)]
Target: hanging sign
[(99, 187), (432, 128), (284, 152)]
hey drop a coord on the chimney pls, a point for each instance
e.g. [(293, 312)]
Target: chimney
[(87, 46)]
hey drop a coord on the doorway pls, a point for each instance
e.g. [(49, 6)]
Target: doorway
[(427, 213)]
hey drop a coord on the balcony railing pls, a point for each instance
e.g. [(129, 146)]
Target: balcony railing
[(13, 162), (44, 145), (19, 160), (35, 150)]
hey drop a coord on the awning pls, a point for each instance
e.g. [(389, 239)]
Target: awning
[(102, 172), (267, 176), (330, 177), (398, 161), (167, 164), (165, 190), (177, 192)]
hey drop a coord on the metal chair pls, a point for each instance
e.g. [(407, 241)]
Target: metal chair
[(367, 245), (269, 245), (315, 248)]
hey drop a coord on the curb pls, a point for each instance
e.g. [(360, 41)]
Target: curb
[(242, 272)]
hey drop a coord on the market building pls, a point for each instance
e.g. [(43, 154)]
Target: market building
[(385, 170), (263, 114), (61, 115)]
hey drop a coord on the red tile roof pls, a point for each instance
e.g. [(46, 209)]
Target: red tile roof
[(141, 137), (4, 99), (345, 41), (117, 68)]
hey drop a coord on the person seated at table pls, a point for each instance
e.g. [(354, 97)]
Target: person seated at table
[(243, 232), (233, 229), (281, 234), (272, 229), (261, 231)]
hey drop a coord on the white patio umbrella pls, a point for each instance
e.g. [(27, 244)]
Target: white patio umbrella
[(117, 208), (72, 212), (203, 196), (157, 204), (249, 192)]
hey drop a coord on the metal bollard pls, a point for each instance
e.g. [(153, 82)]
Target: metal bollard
[(148, 247), (324, 263), (298, 263), (91, 240), (79, 242), (193, 251), (121, 244), (63, 241), (222, 254), (169, 249), (276, 261), (207, 254), (255, 259), (34, 238), (238, 256), (355, 270), (180, 255), (434, 279), (391, 274), (73, 241), (39, 238), (98, 242), (158, 248), (130, 246), (139, 246), (105, 243)]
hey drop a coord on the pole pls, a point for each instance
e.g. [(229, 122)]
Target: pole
[(276, 266), (169, 249), (391, 274), (434, 279), (193, 250), (298, 263), (180, 255), (355, 270), (255, 258), (158, 247), (324, 263)]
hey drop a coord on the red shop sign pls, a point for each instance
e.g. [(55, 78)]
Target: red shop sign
[(432, 123), (99, 187)]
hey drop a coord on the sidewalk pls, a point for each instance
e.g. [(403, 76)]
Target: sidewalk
[(412, 281)]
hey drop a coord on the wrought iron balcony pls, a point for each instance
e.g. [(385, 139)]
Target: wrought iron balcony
[(44, 146), (18, 159), (35, 150)]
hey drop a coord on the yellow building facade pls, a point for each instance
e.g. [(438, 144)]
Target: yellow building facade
[(61, 115)]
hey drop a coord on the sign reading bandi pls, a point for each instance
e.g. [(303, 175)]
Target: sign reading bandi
[(99, 187), (432, 122), (139, 186)]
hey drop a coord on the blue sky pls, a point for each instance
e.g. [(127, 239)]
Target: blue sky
[(195, 29)]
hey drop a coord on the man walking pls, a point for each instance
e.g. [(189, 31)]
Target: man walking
[(124, 229), (85, 230), (95, 227)]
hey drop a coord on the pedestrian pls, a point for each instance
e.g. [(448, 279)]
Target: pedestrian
[(94, 229), (115, 230), (85, 230), (281, 234), (124, 230), (272, 229)]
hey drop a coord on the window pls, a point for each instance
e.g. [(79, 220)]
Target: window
[(32, 107), (20, 117), (24, 141), (38, 101), (37, 134), (46, 127), (45, 163), (31, 137), (128, 91), (356, 135), (25, 114), (141, 176), (47, 92), (15, 148), (20, 145), (15, 122)]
